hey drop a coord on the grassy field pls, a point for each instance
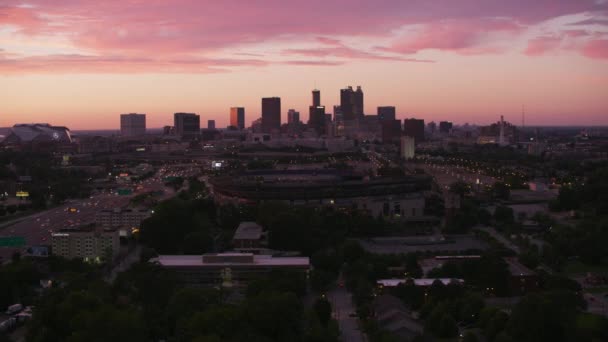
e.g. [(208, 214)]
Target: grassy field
[(599, 289), (576, 267)]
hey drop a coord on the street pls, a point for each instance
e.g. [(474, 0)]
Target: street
[(342, 304)]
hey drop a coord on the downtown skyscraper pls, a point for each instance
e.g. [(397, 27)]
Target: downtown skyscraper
[(132, 124), (351, 103), (316, 118), (271, 114), (187, 124), (237, 117)]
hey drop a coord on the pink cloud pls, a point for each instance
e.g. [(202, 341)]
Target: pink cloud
[(590, 45), (170, 29), (24, 18), (167, 26), (464, 37), (541, 45), (338, 49), (315, 63), (596, 49), (118, 64), (329, 41)]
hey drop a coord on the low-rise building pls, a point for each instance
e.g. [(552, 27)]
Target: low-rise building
[(228, 269), (422, 282), (522, 279), (119, 218), (392, 315), (90, 243), (249, 237)]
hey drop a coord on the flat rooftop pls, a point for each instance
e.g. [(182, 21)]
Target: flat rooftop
[(248, 231), (418, 282), (253, 260)]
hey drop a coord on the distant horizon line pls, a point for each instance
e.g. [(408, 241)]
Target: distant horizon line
[(117, 129), (470, 124)]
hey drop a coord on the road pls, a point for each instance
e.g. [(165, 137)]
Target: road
[(343, 306), (37, 228), (501, 239)]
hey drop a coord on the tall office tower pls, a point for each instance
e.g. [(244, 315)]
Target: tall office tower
[(316, 118), (414, 128), (293, 117), (358, 103), (445, 126), (271, 114), (386, 113), (391, 131), (237, 117), (347, 98), (187, 124), (338, 116), (316, 97), (408, 148), (211, 124), (351, 103), (132, 124)]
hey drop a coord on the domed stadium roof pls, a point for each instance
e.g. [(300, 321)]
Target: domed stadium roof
[(25, 133)]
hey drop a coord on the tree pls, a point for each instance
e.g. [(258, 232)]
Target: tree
[(447, 327), (567, 199), (503, 215), (322, 308), (179, 225), (320, 280), (501, 191), (281, 281), (469, 337), (187, 301), (107, 324), (352, 251), (546, 317), (275, 316)]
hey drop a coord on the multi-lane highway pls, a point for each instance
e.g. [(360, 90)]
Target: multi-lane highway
[(37, 228)]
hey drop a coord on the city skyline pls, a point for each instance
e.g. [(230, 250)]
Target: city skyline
[(81, 64)]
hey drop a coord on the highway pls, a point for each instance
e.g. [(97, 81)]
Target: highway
[(37, 228)]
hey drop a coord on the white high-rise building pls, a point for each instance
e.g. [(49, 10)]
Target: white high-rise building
[(408, 148), (501, 138)]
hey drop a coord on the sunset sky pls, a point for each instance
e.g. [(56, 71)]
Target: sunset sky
[(82, 63)]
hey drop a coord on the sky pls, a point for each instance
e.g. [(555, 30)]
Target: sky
[(82, 63)]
